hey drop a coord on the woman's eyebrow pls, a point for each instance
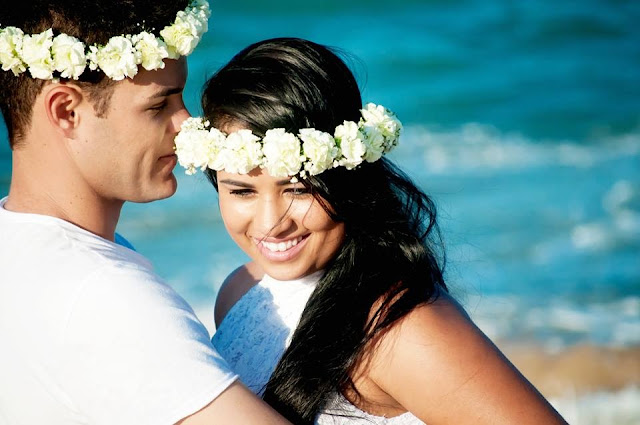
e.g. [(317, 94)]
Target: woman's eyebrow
[(232, 182), (237, 183), (284, 182)]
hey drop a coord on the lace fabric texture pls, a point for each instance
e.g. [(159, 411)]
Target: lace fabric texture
[(341, 412), (257, 330)]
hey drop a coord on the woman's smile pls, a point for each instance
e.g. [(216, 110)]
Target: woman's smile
[(282, 250), (279, 246)]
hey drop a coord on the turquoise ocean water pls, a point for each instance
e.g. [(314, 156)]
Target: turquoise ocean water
[(522, 120)]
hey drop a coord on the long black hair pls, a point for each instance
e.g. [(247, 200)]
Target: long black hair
[(391, 259)]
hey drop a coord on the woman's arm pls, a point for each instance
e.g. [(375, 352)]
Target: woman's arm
[(437, 364)]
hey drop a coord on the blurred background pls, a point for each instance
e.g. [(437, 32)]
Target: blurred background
[(522, 121)]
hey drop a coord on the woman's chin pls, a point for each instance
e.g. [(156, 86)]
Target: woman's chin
[(286, 271)]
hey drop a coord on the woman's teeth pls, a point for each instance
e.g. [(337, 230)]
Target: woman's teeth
[(281, 246)]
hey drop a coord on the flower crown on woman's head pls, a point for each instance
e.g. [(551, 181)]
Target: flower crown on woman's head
[(285, 154), (48, 57)]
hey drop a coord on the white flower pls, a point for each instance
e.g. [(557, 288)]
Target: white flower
[(117, 59), (198, 26), (150, 51), (202, 11), (193, 145), (319, 149), (181, 38), (215, 156), (242, 152), (352, 148), (200, 7), (381, 117), (36, 54), (385, 123), (198, 16), (10, 47), (281, 153), (69, 58), (186, 31), (374, 142)]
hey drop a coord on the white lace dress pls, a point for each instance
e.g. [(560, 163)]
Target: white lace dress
[(257, 330)]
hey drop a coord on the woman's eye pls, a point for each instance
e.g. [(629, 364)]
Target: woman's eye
[(241, 192), (298, 191)]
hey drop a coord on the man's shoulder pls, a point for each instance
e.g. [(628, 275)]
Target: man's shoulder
[(57, 243), (42, 254)]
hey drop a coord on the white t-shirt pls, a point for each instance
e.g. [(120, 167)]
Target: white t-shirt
[(90, 335)]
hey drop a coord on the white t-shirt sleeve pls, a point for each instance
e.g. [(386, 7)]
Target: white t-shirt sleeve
[(133, 352)]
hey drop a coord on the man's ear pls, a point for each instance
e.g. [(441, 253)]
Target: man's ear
[(61, 104)]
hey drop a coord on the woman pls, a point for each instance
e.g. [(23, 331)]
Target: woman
[(334, 229)]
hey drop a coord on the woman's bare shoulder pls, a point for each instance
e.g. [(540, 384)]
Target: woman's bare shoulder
[(234, 287), (439, 365)]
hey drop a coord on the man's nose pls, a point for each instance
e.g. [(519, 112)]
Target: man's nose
[(179, 117)]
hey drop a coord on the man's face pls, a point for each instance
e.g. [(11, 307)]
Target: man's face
[(128, 154)]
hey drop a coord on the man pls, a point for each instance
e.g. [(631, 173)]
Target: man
[(91, 93)]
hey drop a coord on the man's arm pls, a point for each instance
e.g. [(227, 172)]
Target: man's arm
[(131, 337), (236, 405)]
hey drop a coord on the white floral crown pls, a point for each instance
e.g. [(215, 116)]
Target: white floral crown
[(284, 154), (43, 54)]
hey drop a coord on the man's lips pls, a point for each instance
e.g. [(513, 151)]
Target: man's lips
[(169, 158)]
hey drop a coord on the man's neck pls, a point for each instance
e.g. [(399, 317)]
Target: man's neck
[(32, 191)]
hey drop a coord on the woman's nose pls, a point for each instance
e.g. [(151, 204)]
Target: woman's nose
[(273, 217)]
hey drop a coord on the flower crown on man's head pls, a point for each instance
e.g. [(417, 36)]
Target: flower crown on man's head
[(283, 154), (63, 56)]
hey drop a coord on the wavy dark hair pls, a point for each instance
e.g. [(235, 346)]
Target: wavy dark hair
[(93, 22), (391, 259)]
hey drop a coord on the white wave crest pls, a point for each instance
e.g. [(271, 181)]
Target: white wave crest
[(560, 322), (476, 147), (601, 408)]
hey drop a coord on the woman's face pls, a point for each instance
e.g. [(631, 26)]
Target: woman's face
[(279, 224)]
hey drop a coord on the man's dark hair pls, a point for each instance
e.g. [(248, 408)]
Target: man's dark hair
[(92, 22)]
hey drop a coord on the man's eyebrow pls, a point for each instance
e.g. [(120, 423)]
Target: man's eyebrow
[(166, 92), (237, 183)]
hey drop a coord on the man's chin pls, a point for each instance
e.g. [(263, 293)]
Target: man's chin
[(166, 191)]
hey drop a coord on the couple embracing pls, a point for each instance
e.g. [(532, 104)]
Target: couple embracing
[(342, 316)]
